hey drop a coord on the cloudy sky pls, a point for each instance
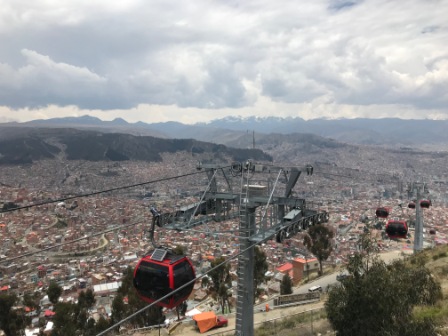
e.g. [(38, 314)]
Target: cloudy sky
[(198, 60)]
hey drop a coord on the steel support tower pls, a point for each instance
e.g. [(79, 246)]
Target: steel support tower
[(244, 323), (418, 188), (281, 216)]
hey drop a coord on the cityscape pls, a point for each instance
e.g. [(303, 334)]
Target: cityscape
[(109, 231)]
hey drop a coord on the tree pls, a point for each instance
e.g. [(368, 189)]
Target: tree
[(118, 308), (65, 319), (221, 282), (10, 321), (90, 298), (86, 299), (286, 285), (30, 301), (378, 299), (155, 315), (54, 291), (101, 325), (260, 269), (90, 329), (318, 242)]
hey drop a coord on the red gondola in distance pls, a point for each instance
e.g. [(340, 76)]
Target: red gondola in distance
[(396, 228), (425, 203), (382, 212), (411, 205), (157, 276)]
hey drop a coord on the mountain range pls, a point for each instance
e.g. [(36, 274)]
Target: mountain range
[(241, 132), (23, 145), (361, 147)]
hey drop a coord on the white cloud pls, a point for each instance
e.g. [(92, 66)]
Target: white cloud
[(193, 61)]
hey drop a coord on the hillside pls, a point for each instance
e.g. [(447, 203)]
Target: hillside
[(390, 132), (26, 145)]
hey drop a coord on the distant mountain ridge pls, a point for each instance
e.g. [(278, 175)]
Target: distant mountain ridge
[(24, 145), (232, 130)]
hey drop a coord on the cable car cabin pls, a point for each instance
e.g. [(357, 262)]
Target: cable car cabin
[(382, 212), (424, 203), (159, 273), (396, 228), (411, 205)]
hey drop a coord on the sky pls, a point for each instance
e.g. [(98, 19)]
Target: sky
[(199, 60)]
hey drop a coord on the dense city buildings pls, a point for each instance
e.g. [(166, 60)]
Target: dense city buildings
[(87, 242)]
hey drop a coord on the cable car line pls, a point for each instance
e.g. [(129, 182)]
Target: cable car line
[(71, 241), (166, 299), (98, 192), (183, 286), (202, 197)]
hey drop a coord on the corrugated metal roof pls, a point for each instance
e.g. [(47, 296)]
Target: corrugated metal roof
[(111, 286)]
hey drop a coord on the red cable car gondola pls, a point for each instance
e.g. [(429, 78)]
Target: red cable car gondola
[(396, 228), (424, 203), (382, 212), (161, 272), (411, 205)]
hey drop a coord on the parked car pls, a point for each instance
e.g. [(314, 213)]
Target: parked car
[(342, 276), (315, 289)]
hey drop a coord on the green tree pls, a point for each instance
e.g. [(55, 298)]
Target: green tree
[(11, 322), (86, 300), (90, 329), (135, 303), (54, 291), (101, 325), (30, 300), (119, 310), (318, 242), (260, 269), (90, 298), (378, 299), (286, 285), (155, 315), (221, 281), (127, 281), (65, 320)]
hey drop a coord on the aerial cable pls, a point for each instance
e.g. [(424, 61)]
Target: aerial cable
[(202, 197), (225, 233), (86, 195), (97, 192), (270, 197), (185, 285), (71, 241), (332, 174)]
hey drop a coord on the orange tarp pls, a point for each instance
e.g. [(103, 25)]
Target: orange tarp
[(205, 321)]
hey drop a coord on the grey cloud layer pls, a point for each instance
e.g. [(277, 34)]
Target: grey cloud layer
[(203, 53)]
